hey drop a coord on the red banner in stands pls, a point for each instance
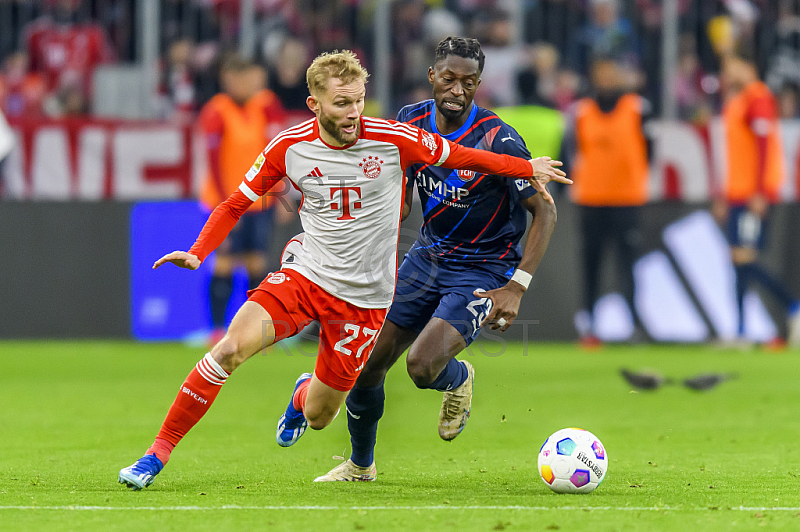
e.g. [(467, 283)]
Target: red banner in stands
[(92, 159)]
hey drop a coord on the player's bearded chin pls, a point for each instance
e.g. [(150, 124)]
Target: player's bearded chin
[(335, 130), (449, 114)]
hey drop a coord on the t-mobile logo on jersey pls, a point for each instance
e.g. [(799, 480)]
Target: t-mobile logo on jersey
[(346, 205)]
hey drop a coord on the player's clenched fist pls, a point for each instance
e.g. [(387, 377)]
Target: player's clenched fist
[(181, 259), (545, 170)]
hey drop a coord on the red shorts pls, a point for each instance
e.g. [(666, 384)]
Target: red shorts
[(347, 332)]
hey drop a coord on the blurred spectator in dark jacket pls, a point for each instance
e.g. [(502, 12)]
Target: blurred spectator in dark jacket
[(552, 21), (503, 58), (177, 87), (408, 47), (287, 78), (692, 86), (538, 81), (567, 91), (605, 34), (784, 62), (182, 18)]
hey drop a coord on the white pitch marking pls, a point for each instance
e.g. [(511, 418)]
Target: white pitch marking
[(412, 508)]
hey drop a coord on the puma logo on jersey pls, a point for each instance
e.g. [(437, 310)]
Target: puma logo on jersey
[(507, 138)]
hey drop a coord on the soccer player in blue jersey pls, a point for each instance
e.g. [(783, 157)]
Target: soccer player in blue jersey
[(465, 271)]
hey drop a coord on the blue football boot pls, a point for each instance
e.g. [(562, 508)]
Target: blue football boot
[(292, 423), (142, 473)]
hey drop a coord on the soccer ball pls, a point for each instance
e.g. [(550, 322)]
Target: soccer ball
[(573, 461)]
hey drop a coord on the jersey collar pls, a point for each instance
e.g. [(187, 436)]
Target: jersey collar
[(460, 131)]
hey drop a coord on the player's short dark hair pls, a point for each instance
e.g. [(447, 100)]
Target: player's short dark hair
[(462, 47)]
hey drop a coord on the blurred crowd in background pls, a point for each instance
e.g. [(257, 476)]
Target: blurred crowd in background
[(185, 62), (538, 51)]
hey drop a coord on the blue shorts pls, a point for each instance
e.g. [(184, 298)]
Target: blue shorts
[(745, 229), (251, 234), (428, 290)]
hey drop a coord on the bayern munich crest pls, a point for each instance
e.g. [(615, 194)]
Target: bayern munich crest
[(371, 166), (277, 278)]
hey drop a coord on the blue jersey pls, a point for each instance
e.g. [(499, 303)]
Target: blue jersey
[(470, 218)]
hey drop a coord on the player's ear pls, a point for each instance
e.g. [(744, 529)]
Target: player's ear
[(312, 103), (431, 74)]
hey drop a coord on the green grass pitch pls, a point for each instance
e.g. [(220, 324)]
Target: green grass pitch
[(74, 413)]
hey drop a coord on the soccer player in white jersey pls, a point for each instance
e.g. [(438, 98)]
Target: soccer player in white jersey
[(341, 270)]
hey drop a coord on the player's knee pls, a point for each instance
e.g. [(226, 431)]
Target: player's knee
[(420, 371), (318, 423), (228, 353), (371, 376), (320, 418)]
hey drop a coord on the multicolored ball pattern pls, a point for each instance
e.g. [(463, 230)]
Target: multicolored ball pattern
[(573, 461)]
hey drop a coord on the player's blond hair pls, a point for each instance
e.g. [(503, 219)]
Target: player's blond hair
[(343, 66)]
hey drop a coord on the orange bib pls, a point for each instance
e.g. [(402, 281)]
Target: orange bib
[(611, 162), (742, 148), (244, 137)]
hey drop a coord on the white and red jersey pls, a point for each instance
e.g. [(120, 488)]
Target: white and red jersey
[(67, 54), (352, 200)]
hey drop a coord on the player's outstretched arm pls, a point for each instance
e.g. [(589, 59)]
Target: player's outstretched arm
[(181, 259), (261, 178), (545, 170), (538, 172), (506, 300), (216, 228)]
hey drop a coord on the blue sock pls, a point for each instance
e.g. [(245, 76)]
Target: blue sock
[(364, 410), (452, 376), (742, 280)]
